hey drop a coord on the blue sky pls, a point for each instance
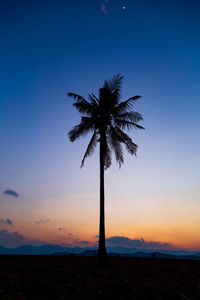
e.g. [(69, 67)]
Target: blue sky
[(54, 47)]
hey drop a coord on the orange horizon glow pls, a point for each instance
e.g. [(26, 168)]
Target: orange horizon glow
[(161, 219), (50, 234)]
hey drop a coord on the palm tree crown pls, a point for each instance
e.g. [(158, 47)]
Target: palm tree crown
[(106, 117)]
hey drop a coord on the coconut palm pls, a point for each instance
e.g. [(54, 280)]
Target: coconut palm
[(106, 118)]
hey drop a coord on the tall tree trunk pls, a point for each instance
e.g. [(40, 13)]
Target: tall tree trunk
[(102, 254)]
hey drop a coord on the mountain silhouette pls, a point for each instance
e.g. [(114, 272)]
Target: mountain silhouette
[(90, 251)]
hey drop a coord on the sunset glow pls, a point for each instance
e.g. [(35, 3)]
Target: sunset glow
[(49, 49)]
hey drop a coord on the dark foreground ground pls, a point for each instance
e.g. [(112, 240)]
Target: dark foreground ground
[(62, 277)]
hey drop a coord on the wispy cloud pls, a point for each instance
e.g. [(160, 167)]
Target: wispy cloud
[(6, 221), (42, 221), (85, 243), (104, 9), (81, 243), (11, 193)]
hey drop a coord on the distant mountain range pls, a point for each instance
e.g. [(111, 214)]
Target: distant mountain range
[(40, 250), (113, 251)]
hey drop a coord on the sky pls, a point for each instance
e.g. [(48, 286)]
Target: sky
[(49, 48)]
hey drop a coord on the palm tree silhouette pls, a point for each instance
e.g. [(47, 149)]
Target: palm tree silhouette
[(106, 117)]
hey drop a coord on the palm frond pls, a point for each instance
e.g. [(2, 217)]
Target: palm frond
[(134, 98), (114, 142), (91, 146), (130, 116), (76, 96), (130, 145), (124, 124), (82, 105), (87, 120), (125, 105), (107, 156), (94, 100), (115, 83), (104, 147), (83, 108), (79, 130), (113, 87)]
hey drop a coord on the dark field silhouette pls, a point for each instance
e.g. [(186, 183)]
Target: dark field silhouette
[(73, 277)]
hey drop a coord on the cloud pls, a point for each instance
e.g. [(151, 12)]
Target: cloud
[(42, 221), (11, 193), (6, 221), (81, 243), (104, 9), (121, 241), (15, 239), (86, 243)]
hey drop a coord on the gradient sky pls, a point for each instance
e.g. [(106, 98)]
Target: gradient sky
[(49, 48)]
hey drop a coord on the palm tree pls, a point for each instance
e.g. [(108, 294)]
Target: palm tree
[(106, 118)]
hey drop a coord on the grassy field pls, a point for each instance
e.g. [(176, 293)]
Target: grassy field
[(62, 277)]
